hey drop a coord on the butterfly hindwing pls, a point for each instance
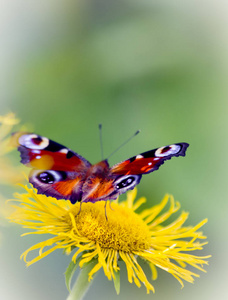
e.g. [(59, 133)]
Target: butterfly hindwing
[(58, 184)]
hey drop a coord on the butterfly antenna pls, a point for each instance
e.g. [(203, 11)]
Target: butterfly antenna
[(128, 140), (101, 142)]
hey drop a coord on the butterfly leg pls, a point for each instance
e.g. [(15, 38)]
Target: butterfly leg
[(80, 208), (110, 202), (106, 210)]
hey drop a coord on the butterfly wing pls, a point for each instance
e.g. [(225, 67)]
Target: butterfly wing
[(59, 172), (149, 161), (128, 173), (41, 153), (56, 170)]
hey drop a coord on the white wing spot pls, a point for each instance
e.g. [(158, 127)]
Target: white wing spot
[(139, 156), (36, 151), (64, 151)]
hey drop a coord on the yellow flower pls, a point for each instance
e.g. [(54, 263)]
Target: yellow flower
[(126, 235), (9, 174), (6, 124)]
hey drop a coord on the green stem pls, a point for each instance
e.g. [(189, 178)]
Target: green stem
[(82, 283)]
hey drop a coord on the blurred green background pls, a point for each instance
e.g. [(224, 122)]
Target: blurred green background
[(158, 66)]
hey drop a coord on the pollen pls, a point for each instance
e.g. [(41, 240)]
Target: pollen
[(114, 233)]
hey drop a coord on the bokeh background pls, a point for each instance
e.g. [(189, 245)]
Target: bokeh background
[(155, 65)]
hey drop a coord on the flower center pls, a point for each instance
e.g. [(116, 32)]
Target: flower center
[(124, 230)]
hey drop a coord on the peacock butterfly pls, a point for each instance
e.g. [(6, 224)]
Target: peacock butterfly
[(61, 173)]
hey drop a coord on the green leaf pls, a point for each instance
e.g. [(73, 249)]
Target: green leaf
[(70, 272), (82, 283), (117, 282)]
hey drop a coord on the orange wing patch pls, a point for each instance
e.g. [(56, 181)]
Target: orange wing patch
[(66, 187)]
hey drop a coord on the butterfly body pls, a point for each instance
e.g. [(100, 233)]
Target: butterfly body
[(59, 172)]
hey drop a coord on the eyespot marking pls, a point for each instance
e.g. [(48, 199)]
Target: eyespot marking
[(125, 182), (46, 177), (167, 150), (50, 177), (33, 141), (37, 140)]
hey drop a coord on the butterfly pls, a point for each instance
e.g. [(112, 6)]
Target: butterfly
[(61, 173)]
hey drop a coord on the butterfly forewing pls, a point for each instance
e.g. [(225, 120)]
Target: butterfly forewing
[(43, 154), (149, 161)]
